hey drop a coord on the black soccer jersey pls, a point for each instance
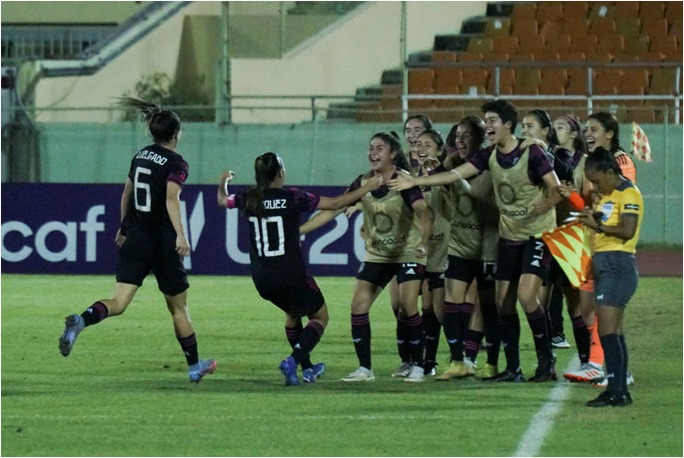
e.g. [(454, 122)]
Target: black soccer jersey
[(274, 237), (151, 169)]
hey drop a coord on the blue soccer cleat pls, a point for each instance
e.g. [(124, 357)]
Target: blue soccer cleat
[(204, 367), (310, 375), (288, 367), (73, 325)]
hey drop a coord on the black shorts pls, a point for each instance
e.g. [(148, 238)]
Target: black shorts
[(615, 278), (435, 280), (381, 273), (296, 294), (466, 270), (530, 257), (154, 251)]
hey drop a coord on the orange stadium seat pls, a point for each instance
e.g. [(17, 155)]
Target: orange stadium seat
[(551, 77), (523, 57), (549, 11), (474, 77), (496, 27), (391, 97), (602, 26), (626, 9), (524, 11), (584, 43), (443, 56), (674, 11), (550, 30), (648, 56), (676, 28), (655, 29), (577, 81), (578, 10), (607, 80), (559, 44), (547, 56), (576, 27), (625, 57), (663, 81), (613, 43), (667, 45), (507, 44), (600, 56), (420, 80), (634, 81), (480, 44), (447, 80), (652, 10), (524, 27)]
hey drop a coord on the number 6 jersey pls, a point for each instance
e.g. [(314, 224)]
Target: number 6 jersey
[(151, 168)]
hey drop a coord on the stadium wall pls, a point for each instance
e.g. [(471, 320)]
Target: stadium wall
[(330, 154)]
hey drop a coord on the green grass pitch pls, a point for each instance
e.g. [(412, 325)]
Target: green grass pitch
[(124, 390)]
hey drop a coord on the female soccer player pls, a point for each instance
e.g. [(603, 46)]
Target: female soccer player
[(151, 237), (615, 274), (471, 262), (276, 260), (396, 227), (430, 154), (519, 176)]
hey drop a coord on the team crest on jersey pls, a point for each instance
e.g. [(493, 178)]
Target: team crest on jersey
[(607, 210), (507, 193)]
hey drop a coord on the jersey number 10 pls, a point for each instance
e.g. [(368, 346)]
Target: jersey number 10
[(263, 244)]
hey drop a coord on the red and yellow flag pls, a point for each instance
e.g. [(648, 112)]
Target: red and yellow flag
[(640, 144), (570, 246)]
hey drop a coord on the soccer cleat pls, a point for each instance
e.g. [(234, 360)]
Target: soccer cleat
[(458, 369), (607, 399), (73, 325), (559, 341), (586, 373), (509, 376), (487, 372), (430, 368), (206, 367), (403, 371), (416, 375), (604, 383), (310, 375), (545, 371), (288, 367), (359, 375)]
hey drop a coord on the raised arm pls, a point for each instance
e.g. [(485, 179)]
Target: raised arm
[(319, 219), (222, 194)]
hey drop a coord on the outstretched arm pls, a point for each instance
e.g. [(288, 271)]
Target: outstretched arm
[(348, 198), (319, 219), (462, 172), (222, 194)]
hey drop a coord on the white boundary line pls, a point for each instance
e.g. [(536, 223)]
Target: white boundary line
[(541, 423)]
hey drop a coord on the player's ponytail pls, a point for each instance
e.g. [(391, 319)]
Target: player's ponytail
[(266, 169), (163, 124)]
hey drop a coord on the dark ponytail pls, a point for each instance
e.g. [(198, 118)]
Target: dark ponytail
[(163, 124), (266, 169)]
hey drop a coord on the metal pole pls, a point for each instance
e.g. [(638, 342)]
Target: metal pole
[(224, 115), (404, 59), (282, 29)]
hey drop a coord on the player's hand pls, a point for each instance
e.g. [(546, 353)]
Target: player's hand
[(373, 182), (540, 207), (119, 239), (227, 177), (565, 189), (421, 251), (529, 141), (402, 182), (182, 245), (349, 211), (431, 163)]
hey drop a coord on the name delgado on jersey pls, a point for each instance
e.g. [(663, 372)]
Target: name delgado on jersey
[(151, 156)]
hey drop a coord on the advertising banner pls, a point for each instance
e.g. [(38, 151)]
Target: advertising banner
[(70, 229)]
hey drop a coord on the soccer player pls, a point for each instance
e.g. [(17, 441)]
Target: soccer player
[(471, 262), (519, 177), (615, 274), (276, 260), (396, 227), (430, 155), (151, 237)]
